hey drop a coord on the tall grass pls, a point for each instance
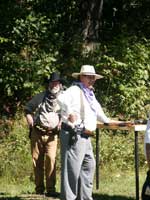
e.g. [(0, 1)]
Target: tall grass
[(117, 176)]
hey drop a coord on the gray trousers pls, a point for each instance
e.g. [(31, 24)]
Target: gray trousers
[(77, 168)]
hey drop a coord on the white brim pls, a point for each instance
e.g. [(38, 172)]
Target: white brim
[(97, 76)]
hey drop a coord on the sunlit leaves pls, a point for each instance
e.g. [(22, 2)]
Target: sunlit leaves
[(128, 73)]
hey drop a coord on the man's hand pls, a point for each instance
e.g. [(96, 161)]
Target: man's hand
[(72, 118), (59, 125), (29, 119)]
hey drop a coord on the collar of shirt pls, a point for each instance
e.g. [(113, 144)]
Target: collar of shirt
[(89, 95)]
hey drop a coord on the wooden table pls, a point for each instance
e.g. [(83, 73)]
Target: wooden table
[(122, 126)]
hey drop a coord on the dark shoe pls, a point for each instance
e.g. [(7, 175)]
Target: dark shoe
[(40, 193), (146, 187), (52, 194)]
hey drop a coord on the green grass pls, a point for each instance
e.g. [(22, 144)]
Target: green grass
[(113, 185), (12, 188), (117, 176), (120, 184)]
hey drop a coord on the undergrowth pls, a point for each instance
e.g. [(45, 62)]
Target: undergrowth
[(116, 160)]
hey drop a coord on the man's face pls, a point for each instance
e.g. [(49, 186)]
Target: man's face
[(54, 86), (87, 80)]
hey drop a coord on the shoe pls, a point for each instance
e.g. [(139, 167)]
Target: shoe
[(39, 193), (52, 194)]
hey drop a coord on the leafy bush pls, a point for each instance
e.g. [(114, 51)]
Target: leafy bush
[(117, 150), (124, 62), (15, 153)]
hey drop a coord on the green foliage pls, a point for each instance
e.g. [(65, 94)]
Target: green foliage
[(15, 153), (2, 40), (125, 65), (40, 36), (117, 150)]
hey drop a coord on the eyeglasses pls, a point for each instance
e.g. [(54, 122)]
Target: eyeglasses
[(89, 77)]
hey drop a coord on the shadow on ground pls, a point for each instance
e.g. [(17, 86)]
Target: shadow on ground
[(3, 196), (108, 197)]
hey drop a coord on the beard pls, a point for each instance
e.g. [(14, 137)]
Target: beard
[(54, 90)]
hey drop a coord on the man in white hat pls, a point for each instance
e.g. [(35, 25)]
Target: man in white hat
[(80, 111)]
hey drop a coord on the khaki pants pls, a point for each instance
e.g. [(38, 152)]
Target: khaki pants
[(43, 150)]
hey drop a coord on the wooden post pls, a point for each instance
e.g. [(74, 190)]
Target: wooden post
[(97, 158), (129, 126), (136, 165)]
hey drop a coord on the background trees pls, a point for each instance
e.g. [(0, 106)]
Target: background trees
[(39, 36)]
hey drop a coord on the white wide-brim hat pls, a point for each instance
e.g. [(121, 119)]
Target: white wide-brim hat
[(87, 70)]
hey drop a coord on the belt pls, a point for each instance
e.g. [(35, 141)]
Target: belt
[(46, 130), (79, 131), (66, 127)]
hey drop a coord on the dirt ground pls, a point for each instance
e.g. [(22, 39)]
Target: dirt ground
[(27, 197)]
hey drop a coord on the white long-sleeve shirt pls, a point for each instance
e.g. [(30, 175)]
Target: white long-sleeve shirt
[(73, 101), (147, 137), (147, 133)]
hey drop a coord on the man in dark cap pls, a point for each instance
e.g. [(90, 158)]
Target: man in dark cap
[(42, 114)]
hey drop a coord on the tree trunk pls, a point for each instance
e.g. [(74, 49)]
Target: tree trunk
[(91, 11)]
